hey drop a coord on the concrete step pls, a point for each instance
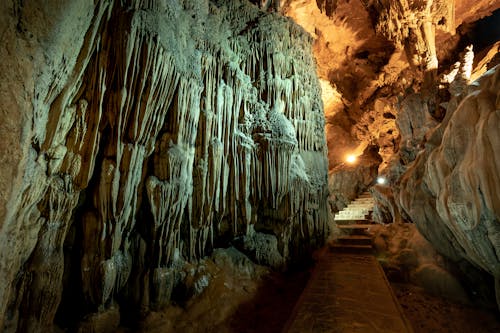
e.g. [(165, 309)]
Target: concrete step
[(358, 206), (354, 210), (352, 217), (350, 248), (358, 232), (342, 220), (363, 200), (369, 203), (353, 221), (361, 215), (355, 239), (355, 226), (361, 203)]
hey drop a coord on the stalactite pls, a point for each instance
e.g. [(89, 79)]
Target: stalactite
[(182, 124)]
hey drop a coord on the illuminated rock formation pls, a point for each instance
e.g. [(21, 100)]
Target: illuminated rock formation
[(371, 54), (152, 132), (451, 191), (347, 180), (432, 130)]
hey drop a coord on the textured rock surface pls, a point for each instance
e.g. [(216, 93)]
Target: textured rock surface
[(439, 144), (141, 135), (380, 79), (451, 191), (407, 257), (372, 53), (385, 87), (234, 279), (444, 177), (357, 68)]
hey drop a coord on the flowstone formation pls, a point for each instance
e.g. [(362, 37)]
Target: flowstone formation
[(147, 134), (451, 190), (444, 177)]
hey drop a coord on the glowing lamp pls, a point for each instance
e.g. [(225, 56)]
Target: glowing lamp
[(381, 180), (351, 159)]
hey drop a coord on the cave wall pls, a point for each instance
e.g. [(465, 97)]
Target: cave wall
[(372, 54), (388, 84), (439, 140), (141, 133), (444, 177), (451, 190)]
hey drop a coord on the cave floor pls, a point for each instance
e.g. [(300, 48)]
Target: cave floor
[(347, 293)]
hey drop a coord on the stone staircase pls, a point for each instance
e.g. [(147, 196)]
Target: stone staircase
[(354, 222), (348, 291)]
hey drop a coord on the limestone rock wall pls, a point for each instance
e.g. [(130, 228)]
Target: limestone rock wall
[(359, 71), (406, 256), (385, 88), (145, 133), (451, 190)]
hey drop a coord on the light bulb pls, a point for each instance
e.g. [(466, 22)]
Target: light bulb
[(351, 159)]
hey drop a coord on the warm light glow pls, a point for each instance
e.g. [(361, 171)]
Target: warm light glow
[(351, 159), (381, 180)]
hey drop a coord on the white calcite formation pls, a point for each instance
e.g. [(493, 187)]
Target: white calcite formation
[(148, 133)]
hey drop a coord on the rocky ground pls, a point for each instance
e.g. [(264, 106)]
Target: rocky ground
[(428, 313), (428, 286), (239, 297), (262, 301)]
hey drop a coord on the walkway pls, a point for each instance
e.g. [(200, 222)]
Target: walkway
[(347, 293), (354, 223)]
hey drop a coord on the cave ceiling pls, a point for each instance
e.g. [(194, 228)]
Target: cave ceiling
[(369, 53)]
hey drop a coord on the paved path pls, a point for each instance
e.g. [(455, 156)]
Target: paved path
[(347, 293)]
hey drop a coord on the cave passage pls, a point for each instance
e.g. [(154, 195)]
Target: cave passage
[(189, 165)]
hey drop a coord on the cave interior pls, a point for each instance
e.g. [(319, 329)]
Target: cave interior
[(185, 165)]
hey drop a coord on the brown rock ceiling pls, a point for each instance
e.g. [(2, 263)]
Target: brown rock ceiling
[(363, 49)]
